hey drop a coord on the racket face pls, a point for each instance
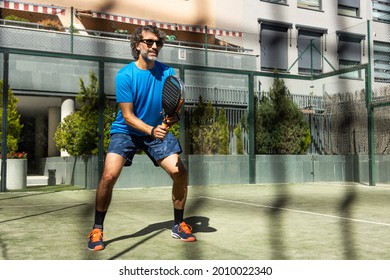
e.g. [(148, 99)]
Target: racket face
[(171, 95)]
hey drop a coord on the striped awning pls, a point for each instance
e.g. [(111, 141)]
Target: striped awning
[(29, 7), (169, 26)]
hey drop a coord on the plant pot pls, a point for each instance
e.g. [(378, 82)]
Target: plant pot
[(16, 174)]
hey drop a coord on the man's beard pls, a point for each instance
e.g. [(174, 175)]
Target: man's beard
[(147, 57)]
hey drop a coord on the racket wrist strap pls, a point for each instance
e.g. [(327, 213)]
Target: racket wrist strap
[(152, 132)]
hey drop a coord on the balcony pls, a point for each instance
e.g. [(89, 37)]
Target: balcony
[(15, 34)]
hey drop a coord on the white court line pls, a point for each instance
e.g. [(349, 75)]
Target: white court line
[(298, 211), (213, 198)]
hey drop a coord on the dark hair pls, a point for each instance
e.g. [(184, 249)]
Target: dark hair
[(137, 37)]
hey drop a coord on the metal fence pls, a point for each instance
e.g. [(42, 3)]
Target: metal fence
[(48, 64)]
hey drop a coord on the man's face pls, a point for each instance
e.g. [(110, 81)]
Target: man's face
[(149, 46)]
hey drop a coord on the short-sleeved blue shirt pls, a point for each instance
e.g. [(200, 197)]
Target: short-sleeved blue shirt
[(143, 88)]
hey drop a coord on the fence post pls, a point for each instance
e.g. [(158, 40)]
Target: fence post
[(4, 123), (251, 122), (71, 29), (370, 112), (206, 46), (183, 127), (101, 120)]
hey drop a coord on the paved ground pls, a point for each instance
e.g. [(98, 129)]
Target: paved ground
[(243, 222)]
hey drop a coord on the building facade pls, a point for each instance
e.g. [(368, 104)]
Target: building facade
[(297, 37)]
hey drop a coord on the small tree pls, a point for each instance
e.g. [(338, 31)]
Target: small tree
[(223, 133), (14, 128), (239, 140), (78, 133), (280, 125)]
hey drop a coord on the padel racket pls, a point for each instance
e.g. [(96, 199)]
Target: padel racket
[(172, 98)]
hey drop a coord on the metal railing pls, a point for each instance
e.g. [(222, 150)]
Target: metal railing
[(123, 36), (26, 24)]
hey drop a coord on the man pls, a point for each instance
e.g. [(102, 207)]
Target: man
[(138, 126)]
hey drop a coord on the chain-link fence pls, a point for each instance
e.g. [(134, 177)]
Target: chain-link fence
[(48, 56), (221, 89)]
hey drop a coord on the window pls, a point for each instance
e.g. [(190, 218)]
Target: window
[(309, 49), (349, 52), (276, 1), (349, 7), (310, 4), (273, 45), (381, 10), (382, 61)]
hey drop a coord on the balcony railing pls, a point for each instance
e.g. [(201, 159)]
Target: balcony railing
[(118, 35), (24, 24)]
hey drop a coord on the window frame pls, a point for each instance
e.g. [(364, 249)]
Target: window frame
[(351, 44), (310, 33), (349, 8), (279, 2), (302, 5), (381, 61), (381, 10), (274, 57)]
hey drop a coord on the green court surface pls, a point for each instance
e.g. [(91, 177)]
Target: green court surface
[(309, 221)]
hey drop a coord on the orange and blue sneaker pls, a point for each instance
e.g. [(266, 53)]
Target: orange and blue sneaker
[(96, 240), (183, 232)]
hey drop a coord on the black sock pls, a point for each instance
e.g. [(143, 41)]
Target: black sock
[(179, 214), (99, 219)]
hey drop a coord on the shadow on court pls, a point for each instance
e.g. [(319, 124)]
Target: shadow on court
[(276, 232), (43, 213), (4, 250), (346, 205), (282, 204), (25, 195), (199, 224)]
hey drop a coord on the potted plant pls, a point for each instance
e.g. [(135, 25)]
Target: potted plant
[(16, 161), (51, 24)]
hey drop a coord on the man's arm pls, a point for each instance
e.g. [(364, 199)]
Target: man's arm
[(132, 120)]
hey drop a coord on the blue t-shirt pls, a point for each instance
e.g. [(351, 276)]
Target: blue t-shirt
[(143, 88)]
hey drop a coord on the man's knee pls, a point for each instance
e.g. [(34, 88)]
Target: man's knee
[(108, 180), (180, 175)]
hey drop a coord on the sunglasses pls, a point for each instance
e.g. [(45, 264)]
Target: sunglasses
[(150, 43)]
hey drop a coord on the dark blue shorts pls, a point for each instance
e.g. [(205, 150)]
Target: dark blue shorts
[(127, 145)]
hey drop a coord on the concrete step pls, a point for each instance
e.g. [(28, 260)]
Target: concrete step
[(37, 180)]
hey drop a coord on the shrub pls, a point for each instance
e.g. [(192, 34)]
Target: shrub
[(209, 134), (54, 24), (16, 18)]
